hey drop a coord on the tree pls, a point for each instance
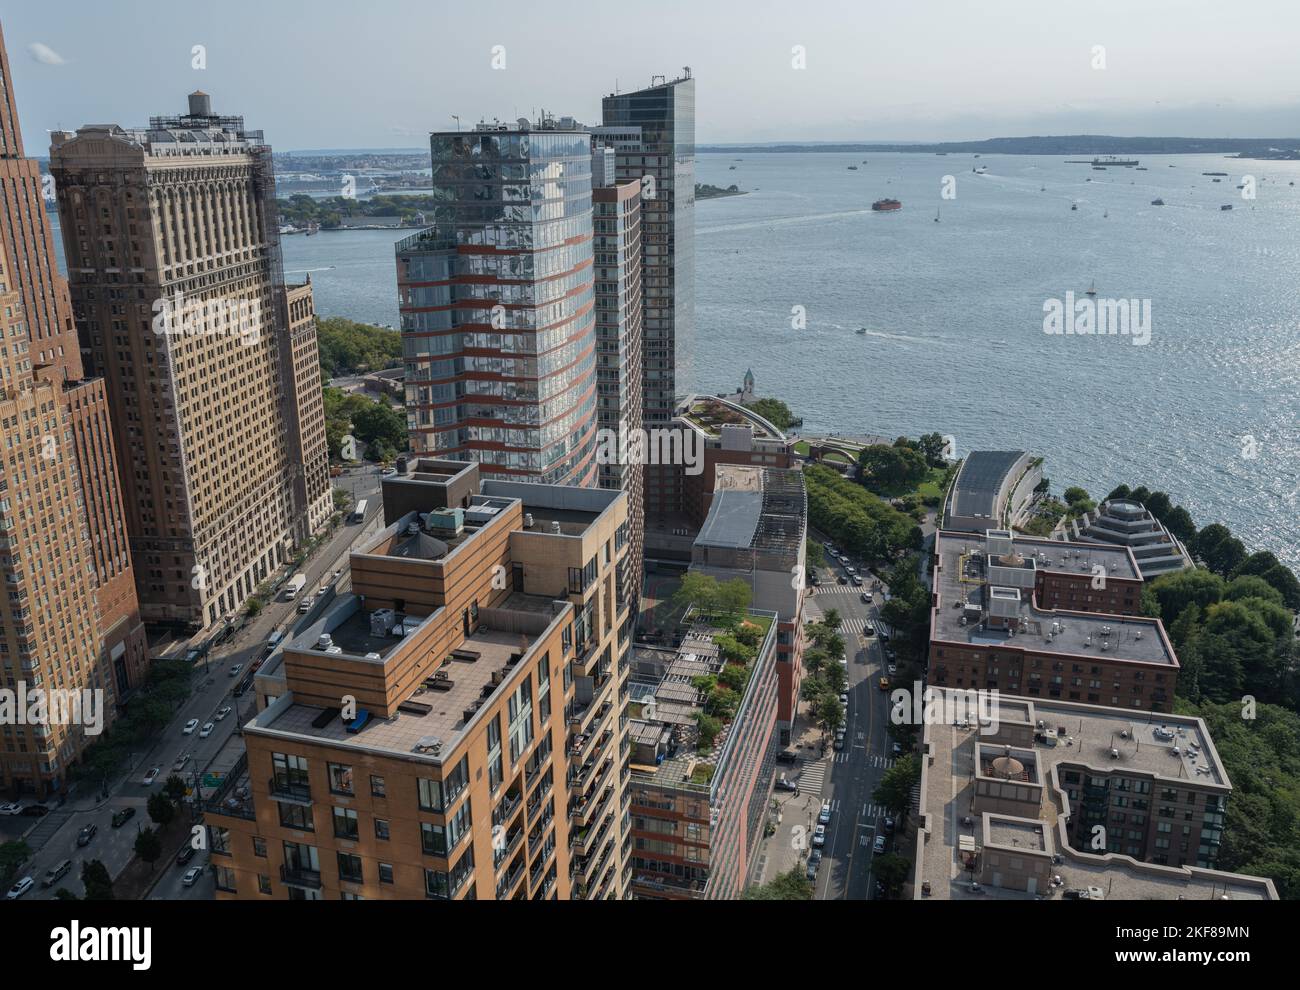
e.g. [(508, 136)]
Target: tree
[(97, 882), (774, 411), (1174, 592), (700, 590), (832, 620), (885, 468), (1121, 492), (933, 446), (350, 348), (734, 597), (892, 870), (175, 787), (895, 788), (1250, 586), (1208, 538), (829, 713), (377, 423), (792, 885), (1074, 494), (161, 810), (64, 894), (1179, 522), (12, 855), (815, 555), (148, 846)]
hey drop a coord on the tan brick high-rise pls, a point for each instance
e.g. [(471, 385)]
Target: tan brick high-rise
[(179, 297), (69, 618)]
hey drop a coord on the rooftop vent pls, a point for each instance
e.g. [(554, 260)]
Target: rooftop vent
[(325, 641), (431, 745)]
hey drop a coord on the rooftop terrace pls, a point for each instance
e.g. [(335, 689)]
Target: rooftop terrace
[(710, 415), (1088, 734), (967, 600)]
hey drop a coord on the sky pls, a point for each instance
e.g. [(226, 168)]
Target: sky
[(383, 73)]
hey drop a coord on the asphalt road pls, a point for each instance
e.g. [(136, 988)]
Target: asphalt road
[(213, 685), (856, 770)]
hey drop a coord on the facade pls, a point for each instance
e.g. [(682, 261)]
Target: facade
[(70, 620), (308, 406), (1129, 524), (179, 298), (497, 305), (652, 131), (757, 531), (1055, 796), (1046, 620), (698, 806), (485, 650), (617, 252)]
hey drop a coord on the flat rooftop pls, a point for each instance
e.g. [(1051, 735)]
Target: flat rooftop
[(961, 582), (462, 684), (982, 475), (710, 415), (947, 792)]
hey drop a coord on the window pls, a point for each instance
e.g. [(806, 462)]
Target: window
[(345, 824), (439, 840), (494, 753), (259, 847), (385, 872), (295, 816), (225, 877), (381, 829), (349, 867), (521, 719), (377, 786), (437, 795), (291, 774), (340, 778), (263, 883)]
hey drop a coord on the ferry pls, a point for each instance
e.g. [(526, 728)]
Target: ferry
[(885, 205), (1112, 160), (1214, 173)]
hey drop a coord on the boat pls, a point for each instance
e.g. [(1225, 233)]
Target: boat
[(1105, 214), (1074, 206), (1042, 189), (312, 228), (1112, 160), (862, 331), (1157, 202), (885, 205), (1099, 168), (1092, 289), (1143, 168), (732, 169), (864, 161), (853, 168), (1216, 180), (982, 170), (1214, 173), (936, 212), (1226, 206)]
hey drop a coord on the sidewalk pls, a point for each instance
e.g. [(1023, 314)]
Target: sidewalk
[(795, 817)]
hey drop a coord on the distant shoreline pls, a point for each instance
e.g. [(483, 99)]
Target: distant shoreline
[(1079, 144)]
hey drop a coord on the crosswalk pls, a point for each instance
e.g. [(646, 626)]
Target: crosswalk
[(855, 626), (813, 778), (872, 811), (882, 762), (839, 589)]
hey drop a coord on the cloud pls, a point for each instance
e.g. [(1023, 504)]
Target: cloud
[(45, 54)]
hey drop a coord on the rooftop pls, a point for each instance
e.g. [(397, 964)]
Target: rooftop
[(1088, 734), (981, 478), (967, 598), (756, 508), (710, 415), (449, 699)]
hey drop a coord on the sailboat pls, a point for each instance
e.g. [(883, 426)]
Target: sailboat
[(1092, 289), (936, 213)]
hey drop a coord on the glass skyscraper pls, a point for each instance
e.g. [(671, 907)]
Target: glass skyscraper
[(653, 132), (496, 297)]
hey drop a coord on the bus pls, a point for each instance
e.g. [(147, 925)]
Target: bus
[(359, 513)]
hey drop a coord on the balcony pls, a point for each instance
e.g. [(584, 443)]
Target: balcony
[(510, 880), (299, 877), (284, 790), (579, 780), (503, 811), (535, 802), (499, 856)]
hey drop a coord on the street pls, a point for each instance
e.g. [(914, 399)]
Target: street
[(54, 837)]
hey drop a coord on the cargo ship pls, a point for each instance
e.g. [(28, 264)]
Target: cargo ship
[(884, 205)]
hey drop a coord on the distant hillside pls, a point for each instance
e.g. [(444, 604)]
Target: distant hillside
[(1069, 144)]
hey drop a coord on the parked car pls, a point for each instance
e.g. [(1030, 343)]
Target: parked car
[(222, 712), (87, 833), (122, 816), (190, 726), (819, 837), (181, 760), (878, 846), (839, 743), (235, 669), (893, 668), (207, 729), (787, 756), (844, 700), (56, 873), (814, 861), (192, 876), (889, 825), (857, 580), (824, 817), (11, 808), (866, 598), (20, 888), (898, 749), (883, 683), (782, 784), (35, 811), (151, 776), (185, 855), (843, 579)]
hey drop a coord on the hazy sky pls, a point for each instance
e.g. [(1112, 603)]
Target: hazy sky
[(383, 73)]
